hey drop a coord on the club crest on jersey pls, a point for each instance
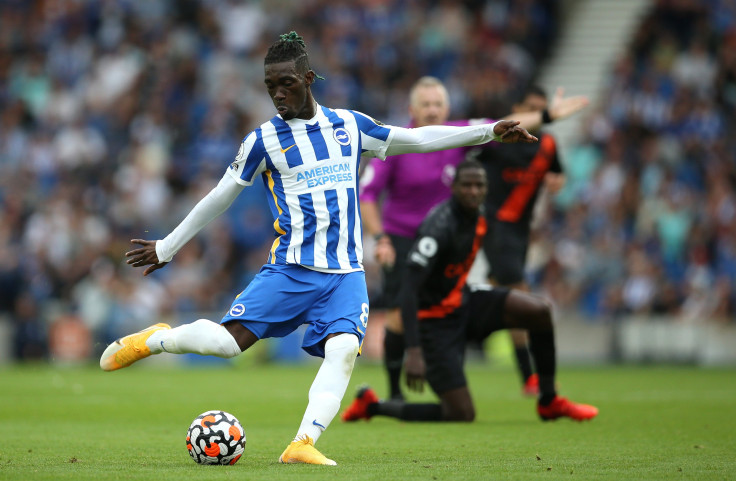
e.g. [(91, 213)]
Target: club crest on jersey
[(237, 310), (342, 136)]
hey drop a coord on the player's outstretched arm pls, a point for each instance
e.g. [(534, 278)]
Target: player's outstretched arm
[(560, 108), (431, 138), (563, 107), (145, 256), (509, 131), (158, 253)]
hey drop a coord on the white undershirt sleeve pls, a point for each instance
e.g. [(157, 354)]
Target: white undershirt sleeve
[(212, 205), (438, 137)]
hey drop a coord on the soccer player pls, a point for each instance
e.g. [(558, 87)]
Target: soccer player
[(307, 156), (516, 174), (440, 313), (409, 186)]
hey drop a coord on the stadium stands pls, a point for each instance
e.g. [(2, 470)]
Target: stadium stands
[(115, 117)]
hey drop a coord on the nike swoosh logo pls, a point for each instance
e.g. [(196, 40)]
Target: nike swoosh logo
[(318, 425), (283, 151)]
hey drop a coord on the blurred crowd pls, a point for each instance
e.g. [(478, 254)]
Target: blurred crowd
[(647, 223), (117, 116)]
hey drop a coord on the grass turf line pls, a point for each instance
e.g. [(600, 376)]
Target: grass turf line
[(82, 423)]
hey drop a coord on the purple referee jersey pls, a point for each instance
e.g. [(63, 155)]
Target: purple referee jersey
[(413, 184)]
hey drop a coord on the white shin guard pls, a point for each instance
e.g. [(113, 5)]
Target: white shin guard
[(329, 385), (200, 337)]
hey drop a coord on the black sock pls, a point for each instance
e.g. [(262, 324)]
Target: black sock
[(542, 347), (393, 359), (406, 411), (524, 362)]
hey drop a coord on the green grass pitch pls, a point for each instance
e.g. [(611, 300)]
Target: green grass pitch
[(83, 424)]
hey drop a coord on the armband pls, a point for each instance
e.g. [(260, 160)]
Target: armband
[(546, 117)]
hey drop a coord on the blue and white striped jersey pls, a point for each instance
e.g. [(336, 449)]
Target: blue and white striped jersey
[(310, 168)]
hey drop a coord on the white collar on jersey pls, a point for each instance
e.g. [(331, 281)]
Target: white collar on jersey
[(313, 120)]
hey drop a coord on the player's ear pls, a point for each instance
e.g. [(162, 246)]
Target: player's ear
[(309, 77)]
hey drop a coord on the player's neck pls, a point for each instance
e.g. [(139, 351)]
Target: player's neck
[(467, 212), (309, 110)]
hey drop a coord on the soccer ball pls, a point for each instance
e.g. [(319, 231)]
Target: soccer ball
[(216, 437)]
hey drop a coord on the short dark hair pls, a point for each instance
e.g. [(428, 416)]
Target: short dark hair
[(465, 165), (290, 46)]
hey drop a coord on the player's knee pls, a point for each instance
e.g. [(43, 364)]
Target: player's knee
[(468, 415), (458, 408), (541, 312), (226, 346), (242, 335), (342, 348), (464, 414)]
